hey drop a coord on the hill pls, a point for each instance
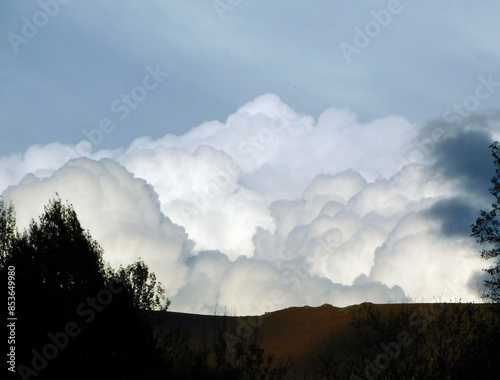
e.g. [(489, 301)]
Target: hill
[(301, 333)]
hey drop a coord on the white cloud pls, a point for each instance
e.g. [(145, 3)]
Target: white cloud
[(425, 264), (121, 212), (267, 210)]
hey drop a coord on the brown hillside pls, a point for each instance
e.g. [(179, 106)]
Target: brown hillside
[(296, 332)]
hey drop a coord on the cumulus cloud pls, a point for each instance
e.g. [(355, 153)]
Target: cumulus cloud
[(121, 212), (272, 208)]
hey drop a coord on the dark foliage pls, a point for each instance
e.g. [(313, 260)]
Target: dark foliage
[(60, 278), (61, 281), (428, 342), (486, 230), (224, 356), (141, 284)]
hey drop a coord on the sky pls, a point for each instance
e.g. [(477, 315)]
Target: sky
[(260, 155)]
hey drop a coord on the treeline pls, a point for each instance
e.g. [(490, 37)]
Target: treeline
[(416, 342), (72, 316)]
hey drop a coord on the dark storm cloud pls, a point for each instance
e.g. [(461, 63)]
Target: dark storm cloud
[(476, 281), (455, 214), (466, 157)]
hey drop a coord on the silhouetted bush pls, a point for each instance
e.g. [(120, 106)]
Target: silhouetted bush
[(224, 356), (417, 342)]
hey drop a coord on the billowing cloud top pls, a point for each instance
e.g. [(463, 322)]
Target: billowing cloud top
[(273, 208)]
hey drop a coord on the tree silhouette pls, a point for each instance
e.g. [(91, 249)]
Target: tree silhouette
[(486, 230), (146, 293), (64, 254), (441, 341), (79, 319), (75, 319)]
